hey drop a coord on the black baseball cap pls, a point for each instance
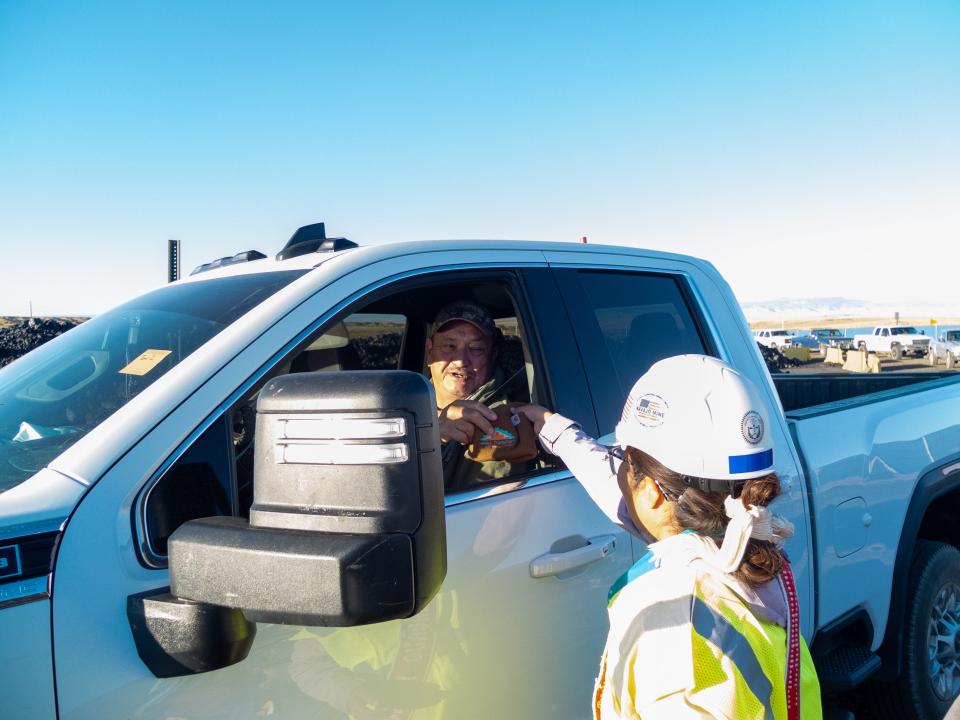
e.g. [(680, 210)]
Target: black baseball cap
[(470, 312)]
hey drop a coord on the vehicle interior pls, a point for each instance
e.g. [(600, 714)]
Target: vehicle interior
[(390, 333)]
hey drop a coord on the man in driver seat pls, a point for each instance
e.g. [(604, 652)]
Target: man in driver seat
[(462, 354)]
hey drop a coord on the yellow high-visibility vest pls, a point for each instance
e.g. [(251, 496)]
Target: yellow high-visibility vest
[(683, 644)]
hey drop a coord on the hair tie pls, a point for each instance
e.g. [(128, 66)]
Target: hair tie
[(755, 522)]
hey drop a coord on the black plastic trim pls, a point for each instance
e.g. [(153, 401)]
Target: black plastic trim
[(932, 485), (27, 557), (176, 637), (913, 382)]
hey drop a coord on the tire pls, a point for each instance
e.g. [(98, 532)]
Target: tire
[(861, 345), (896, 351), (951, 361), (932, 357), (927, 686)]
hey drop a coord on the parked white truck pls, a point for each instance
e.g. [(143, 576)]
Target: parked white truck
[(224, 498), (777, 339), (945, 349), (897, 340)]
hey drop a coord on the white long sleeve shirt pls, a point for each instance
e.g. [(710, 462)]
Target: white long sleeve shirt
[(595, 468)]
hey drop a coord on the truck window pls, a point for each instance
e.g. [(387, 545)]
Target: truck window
[(362, 341), (55, 395), (625, 322), (388, 334), (200, 484)]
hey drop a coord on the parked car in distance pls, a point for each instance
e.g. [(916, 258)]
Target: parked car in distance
[(779, 339), (945, 349), (821, 338), (897, 340)]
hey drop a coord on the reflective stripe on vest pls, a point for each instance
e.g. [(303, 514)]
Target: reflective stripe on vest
[(714, 627), (711, 626)]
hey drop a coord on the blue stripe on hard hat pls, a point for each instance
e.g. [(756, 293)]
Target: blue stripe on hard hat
[(752, 462)]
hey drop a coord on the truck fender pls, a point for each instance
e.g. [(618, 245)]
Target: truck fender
[(936, 493)]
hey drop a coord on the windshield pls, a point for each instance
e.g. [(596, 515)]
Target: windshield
[(53, 396), (904, 331), (827, 333)]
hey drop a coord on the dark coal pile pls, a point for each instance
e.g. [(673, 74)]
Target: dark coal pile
[(776, 361), (24, 335), (378, 352)]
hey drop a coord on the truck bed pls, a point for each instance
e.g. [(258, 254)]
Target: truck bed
[(806, 394), (864, 442)]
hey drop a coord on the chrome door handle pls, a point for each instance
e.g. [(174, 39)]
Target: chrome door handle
[(549, 564)]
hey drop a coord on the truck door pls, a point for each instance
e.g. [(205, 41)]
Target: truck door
[(627, 318), (495, 642)]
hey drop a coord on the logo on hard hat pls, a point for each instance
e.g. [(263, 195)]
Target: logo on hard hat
[(651, 410), (752, 427)]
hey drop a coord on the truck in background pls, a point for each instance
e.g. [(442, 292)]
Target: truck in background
[(945, 349), (895, 340), (776, 339)]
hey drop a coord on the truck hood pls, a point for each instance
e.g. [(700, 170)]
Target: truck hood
[(41, 504)]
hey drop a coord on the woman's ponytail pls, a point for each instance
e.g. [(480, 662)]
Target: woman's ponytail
[(705, 514)]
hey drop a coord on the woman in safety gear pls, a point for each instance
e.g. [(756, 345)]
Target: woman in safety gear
[(706, 624)]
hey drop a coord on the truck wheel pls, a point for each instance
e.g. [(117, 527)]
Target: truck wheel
[(896, 351), (861, 345), (929, 679), (951, 361), (932, 357)]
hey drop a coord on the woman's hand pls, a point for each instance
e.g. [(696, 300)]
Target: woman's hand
[(537, 414)]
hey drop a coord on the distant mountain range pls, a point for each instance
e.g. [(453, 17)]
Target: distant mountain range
[(838, 307)]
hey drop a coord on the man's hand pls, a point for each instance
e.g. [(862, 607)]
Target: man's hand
[(459, 419), (537, 414)]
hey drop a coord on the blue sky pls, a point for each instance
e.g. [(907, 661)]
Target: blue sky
[(805, 148)]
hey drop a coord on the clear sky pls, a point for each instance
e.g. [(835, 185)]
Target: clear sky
[(807, 149)]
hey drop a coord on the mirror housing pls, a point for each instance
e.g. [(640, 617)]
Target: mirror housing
[(347, 525)]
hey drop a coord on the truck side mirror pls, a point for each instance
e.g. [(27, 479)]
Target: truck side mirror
[(347, 525)]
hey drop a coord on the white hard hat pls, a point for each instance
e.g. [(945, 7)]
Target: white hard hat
[(699, 417)]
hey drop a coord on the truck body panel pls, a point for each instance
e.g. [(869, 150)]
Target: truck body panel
[(848, 471)]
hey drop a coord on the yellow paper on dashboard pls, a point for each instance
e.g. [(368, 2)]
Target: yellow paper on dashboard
[(145, 362)]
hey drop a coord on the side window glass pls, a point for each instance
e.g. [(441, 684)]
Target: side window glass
[(885, 332), (642, 319), (625, 322), (199, 484), (362, 341)]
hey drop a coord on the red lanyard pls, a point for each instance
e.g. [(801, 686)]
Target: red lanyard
[(793, 643)]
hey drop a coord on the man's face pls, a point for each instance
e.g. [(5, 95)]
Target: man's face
[(460, 359)]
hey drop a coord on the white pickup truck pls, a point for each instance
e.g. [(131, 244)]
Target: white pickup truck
[(897, 340), (776, 339), (222, 499), (945, 349)]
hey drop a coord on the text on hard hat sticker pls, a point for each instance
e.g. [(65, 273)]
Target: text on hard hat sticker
[(752, 427), (651, 410)]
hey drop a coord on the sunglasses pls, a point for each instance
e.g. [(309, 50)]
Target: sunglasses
[(615, 452)]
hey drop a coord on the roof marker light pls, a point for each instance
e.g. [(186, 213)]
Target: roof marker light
[(313, 238)]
